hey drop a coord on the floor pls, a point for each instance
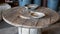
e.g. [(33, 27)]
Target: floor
[(7, 29)]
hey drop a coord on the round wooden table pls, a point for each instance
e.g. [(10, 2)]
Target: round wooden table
[(30, 26)]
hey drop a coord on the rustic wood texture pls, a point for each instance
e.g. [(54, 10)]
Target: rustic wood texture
[(12, 16)]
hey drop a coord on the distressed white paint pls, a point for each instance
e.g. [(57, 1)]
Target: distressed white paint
[(28, 31), (19, 30), (33, 31), (25, 31)]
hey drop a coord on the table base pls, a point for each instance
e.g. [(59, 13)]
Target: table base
[(28, 30)]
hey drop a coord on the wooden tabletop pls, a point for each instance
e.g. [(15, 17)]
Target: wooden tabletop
[(11, 16)]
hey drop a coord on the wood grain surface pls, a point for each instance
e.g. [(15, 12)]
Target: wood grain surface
[(11, 16)]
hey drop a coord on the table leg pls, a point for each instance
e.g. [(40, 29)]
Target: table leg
[(29, 30)]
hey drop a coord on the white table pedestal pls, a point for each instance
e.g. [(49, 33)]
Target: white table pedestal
[(28, 30)]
